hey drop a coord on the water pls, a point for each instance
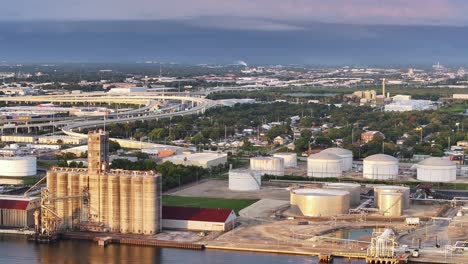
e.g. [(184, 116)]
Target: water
[(15, 249), (352, 233)]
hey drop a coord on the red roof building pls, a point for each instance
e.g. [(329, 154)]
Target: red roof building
[(18, 211), (192, 218)]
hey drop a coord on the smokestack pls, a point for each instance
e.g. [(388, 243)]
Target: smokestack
[(383, 87)]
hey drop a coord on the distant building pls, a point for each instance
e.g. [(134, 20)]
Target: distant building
[(368, 136), (200, 219), (204, 160), (278, 140)]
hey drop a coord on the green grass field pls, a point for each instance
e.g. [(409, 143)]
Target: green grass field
[(205, 202)]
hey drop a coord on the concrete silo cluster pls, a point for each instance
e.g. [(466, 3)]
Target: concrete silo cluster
[(117, 200)]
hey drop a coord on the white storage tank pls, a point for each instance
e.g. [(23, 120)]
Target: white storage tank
[(353, 189), (324, 165), (344, 154), (391, 204), (319, 202), (18, 166), (380, 167), (290, 159), (267, 165), (437, 170), (405, 191), (244, 180)]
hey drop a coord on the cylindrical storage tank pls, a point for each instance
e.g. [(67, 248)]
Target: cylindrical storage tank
[(323, 165), (290, 159), (378, 190), (345, 155), (114, 202), (18, 166), (267, 165), (74, 204), (380, 167), (137, 204), (436, 170), (125, 204), (353, 189), (150, 205), (62, 205), (52, 183), (244, 180), (319, 202), (391, 204), (94, 197), (103, 199)]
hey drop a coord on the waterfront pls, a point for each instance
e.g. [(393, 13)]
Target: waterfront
[(15, 249)]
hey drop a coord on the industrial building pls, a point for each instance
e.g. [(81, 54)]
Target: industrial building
[(402, 104), (324, 165), (345, 155), (99, 199), (59, 139), (436, 170), (199, 219), (319, 202), (244, 180), (380, 167), (290, 159), (204, 160), (18, 211), (126, 90), (267, 165)]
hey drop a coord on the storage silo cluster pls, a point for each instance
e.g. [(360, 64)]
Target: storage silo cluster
[(323, 165), (319, 202), (120, 200), (345, 155), (18, 166), (290, 159), (353, 189), (244, 180), (267, 165), (392, 200), (380, 167), (436, 170)]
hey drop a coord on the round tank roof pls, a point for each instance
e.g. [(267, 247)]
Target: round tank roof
[(391, 187), (381, 157), (265, 158), (338, 151), (436, 161), (319, 192), (343, 184), (324, 156), (18, 158)]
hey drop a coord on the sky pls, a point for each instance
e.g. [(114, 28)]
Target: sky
[(260, 14)]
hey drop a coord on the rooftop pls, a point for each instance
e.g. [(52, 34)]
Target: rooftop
[(196, 214)]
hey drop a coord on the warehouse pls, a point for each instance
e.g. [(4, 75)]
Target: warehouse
[(18, 211), (204, 160), (202, 219)]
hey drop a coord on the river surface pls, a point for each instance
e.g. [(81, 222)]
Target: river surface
[(16, 249)]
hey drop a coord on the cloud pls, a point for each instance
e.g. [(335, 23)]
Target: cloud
[(262, 11)]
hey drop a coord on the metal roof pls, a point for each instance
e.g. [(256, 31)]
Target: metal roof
[(324, 156), (381, 157), (436, 161), (338, 151), (219, 215), (13, 204)]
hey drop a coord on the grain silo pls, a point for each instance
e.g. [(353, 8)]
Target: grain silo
[(319, 202), (114, 202), (290, 159), (391, 203), (344, 154), (436, 170), (125, 203), (267, 165), (353, 189), (324, 165), (405, 191), (244, 180), (380, 167)]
